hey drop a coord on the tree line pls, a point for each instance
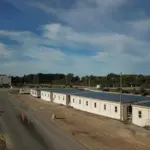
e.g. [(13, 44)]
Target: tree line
[(110, 80)]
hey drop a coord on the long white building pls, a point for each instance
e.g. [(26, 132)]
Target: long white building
[(5, 80), (59, 96), (104, 104)]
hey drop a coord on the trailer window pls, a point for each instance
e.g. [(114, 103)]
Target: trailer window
[(105, 107), (116, 109), (140, 114), (79, 101), (86, 103), (95, 105), (73, 100)]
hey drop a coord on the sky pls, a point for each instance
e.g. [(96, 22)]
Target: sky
[(83, 37)]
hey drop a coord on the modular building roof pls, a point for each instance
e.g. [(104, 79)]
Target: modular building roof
[(64, 90), (99, 95), (145, 104), (113, 97)]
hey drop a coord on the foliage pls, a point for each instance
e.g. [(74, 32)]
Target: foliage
[(111, 80)]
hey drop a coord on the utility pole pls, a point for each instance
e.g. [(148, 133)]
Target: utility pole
[(37, 79), (66, 79), (121, 111), (89, 82)]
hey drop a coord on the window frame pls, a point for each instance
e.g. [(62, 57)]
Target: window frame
[(104, 106), (79, 101), (140, 114), (95, 105), (116, 109), (87, 103)]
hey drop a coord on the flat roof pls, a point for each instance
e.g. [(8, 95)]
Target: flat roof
[(145, 104), (113, 97), (64, 90)]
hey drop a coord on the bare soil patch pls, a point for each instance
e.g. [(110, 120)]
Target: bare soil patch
[(95, 132)]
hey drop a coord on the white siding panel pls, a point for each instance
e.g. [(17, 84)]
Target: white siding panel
[(45, 95), (105, 112), (96, 106), (74, 102), (115, 111), (87, 105), (35, 93), (60, 98), (145, 116)]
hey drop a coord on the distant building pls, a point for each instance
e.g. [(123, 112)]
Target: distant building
[(98, 86), (5, 80)]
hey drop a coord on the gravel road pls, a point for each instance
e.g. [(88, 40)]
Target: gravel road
[(38, 135)]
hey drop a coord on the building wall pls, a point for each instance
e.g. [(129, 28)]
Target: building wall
[(35, 93), (142, 121), (45, 95), (96, 106), (31, 91), (60, 98), (24, 91), (5, 80)]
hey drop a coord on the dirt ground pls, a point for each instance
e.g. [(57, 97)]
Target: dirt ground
[(94, 132), (2, 141)]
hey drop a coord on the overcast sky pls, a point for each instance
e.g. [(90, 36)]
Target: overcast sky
[(79, 36)]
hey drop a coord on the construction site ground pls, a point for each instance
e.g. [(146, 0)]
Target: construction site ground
[(92, 131)]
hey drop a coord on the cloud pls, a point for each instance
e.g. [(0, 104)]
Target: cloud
[(99, 12), (41, 6), (75, 28), (105, 5), (112, 52), (4, 52), (141, 25), (112, 42)]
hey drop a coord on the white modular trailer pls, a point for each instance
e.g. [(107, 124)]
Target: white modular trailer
[(31, 91), (35, 93), (141, 114), (97, 106), (59, 95), (105, 104), (24, 91), (60, 98), (46, 95)]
